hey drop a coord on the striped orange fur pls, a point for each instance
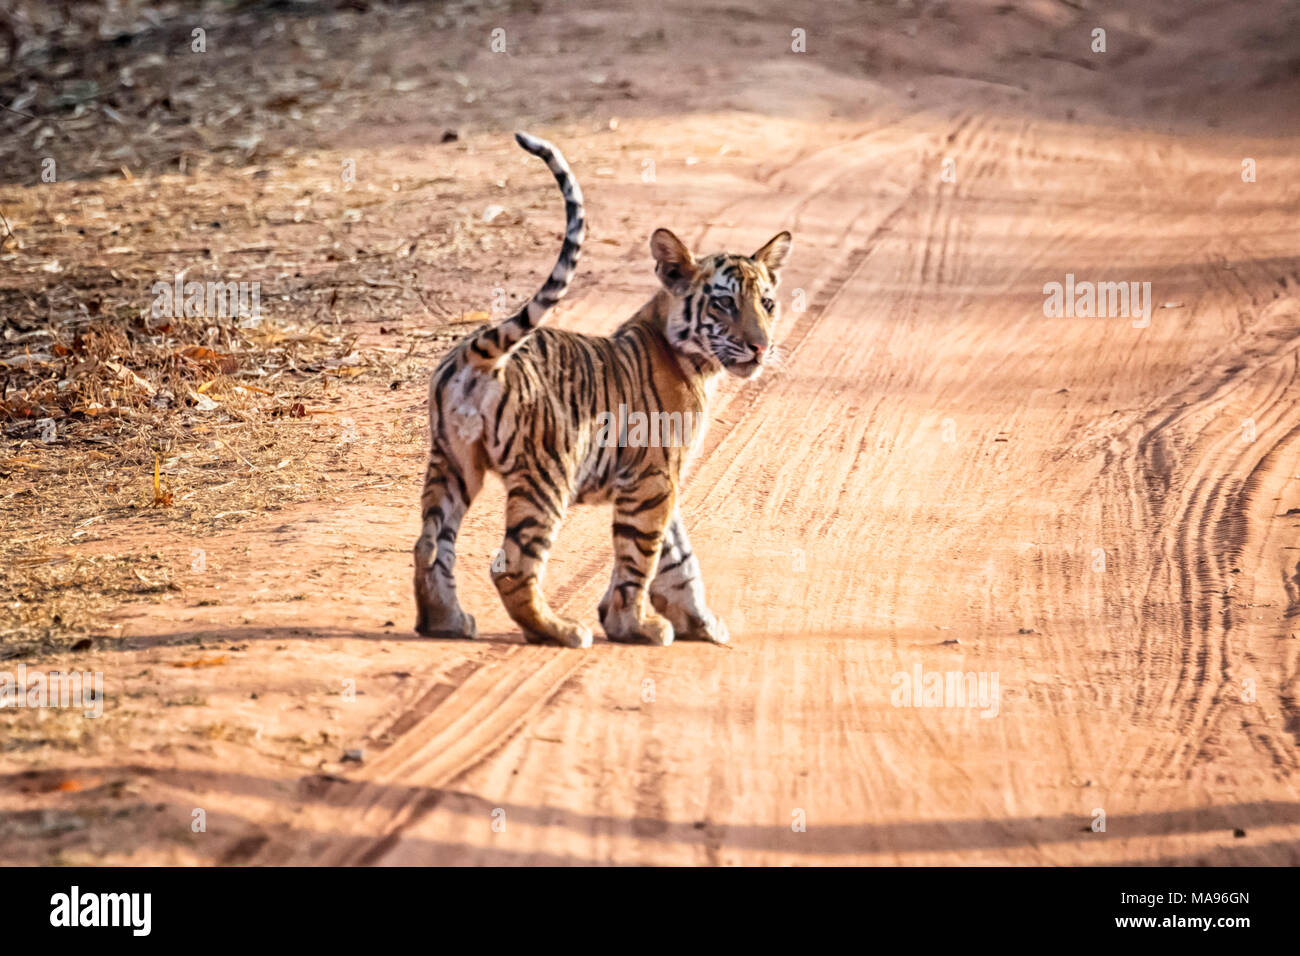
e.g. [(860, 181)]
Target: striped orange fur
[(548, 411)]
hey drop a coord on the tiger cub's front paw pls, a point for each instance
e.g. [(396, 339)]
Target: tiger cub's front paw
[(709, 629), (653, 630), (566, 634), (716, 632), (693, 623)]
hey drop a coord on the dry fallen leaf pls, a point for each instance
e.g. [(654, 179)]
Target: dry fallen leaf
[(202, 402), (128, 376), (209, 359), (160, 498)]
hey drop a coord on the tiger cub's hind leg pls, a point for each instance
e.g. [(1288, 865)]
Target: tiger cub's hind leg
[(640, 520), (678, 589), (531, 523), (449, 487)]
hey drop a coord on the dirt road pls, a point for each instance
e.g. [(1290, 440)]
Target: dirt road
[(1094, 516)]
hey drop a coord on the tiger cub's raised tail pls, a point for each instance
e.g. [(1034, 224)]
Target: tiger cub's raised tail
[(492, 344)]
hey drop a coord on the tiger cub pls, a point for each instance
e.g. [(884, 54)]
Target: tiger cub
[(536, 405)]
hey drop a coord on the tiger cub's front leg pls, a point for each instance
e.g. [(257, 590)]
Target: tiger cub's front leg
[(641, 516), (678, 589)]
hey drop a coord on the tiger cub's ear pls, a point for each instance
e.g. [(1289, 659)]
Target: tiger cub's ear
[(674, 264), (773, 255)]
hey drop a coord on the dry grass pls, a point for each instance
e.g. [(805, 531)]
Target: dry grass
[(121, 422), (90, 447), (126, 86), (186, 424)]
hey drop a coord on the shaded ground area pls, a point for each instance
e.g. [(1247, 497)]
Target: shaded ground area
[(214, 511)]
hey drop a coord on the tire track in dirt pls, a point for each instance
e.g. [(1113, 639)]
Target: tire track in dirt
[(1181, 485), (462, 725), (1204, 483)]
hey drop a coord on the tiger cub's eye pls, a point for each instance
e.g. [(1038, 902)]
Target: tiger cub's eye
[(769, 305)]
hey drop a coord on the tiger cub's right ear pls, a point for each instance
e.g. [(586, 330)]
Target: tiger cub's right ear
[(774, 254), (674, 264)]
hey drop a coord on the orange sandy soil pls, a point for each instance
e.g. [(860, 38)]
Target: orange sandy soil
[(928, 479)]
